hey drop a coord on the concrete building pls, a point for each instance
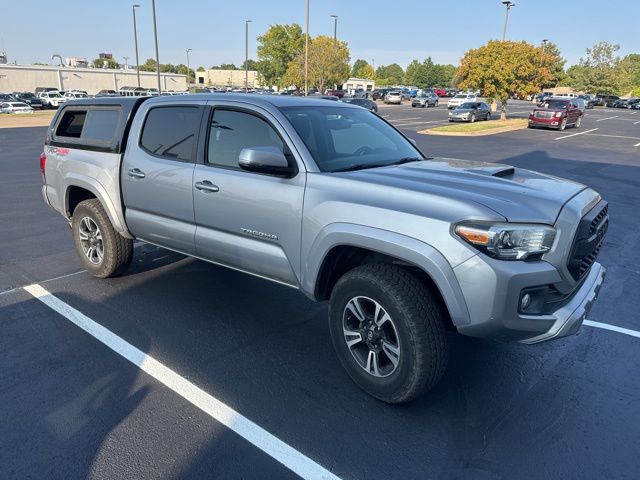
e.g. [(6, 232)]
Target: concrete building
[(352, 83), (25, 78), (226, 78)]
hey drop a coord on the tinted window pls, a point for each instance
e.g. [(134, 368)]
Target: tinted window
[(340, 138), (71, 124), (231, 131), (555, 104), (170, 131), (100, 125)]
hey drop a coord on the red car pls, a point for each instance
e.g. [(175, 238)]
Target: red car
[(556, 113), (335, 93), (441, 92)]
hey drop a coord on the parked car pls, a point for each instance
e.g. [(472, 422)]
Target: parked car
[(461, 98), (330, 199), (394, 97), (406, 94), (359, 93), (51, 99), (424, 100), (107, 93), (470, 112), (7, 97), (72, 95), (441, 92), (589, 100), (30, 99), (602, 100), (541, 97), (15, 107), (581, 104), (624, 103), (558, 113), (362, 102), (334, 92), (44, 89), (379, 93), (451, 92)]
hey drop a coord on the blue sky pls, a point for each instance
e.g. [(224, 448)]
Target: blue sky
[(378, 30)]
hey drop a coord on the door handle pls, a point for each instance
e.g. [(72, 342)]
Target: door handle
[(207, 187), (136, 173)]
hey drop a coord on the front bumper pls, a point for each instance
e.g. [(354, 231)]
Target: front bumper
[(492, 290), (545, 122)]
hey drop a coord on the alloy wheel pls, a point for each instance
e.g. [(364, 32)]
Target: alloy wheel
[(91, 240)]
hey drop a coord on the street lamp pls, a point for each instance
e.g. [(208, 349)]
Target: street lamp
[(155, 36), (135, 39), (508, 4), (335, 28), (188, 69), (544, 44), (306, 55), (246, 55)]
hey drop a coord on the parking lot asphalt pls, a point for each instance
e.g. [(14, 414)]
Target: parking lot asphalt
[(73, 408)]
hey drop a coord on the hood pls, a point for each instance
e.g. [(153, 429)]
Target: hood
[(517, 194)]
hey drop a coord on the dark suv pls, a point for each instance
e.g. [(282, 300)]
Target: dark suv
[(556, 113), (602, 100), (379, 93)]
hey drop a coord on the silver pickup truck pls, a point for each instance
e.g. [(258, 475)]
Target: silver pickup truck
[(330, 199)]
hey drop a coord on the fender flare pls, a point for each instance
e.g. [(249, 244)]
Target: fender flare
[(113, 212), (408, 249)]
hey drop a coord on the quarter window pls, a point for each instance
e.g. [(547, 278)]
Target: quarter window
[(171, 131), (89, 126), (231, 131)]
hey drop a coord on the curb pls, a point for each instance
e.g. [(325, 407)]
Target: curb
[(481, 133)]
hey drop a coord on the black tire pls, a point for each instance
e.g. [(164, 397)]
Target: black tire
[(472, 119), (416, 317), (563, 124), (117, 250)]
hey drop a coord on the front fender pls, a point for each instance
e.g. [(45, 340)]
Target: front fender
[(113, 211), (408, 249)]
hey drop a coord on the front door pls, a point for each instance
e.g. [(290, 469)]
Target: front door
[(247, 220), (157, 177)]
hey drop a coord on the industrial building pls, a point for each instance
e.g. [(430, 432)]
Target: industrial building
[(25, 78)]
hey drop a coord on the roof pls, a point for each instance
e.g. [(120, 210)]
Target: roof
[(256, 99)]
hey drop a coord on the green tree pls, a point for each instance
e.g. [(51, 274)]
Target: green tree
[(251, 65), (277, 47), (416, 74), (601, 71), (200, 69), (328, 64), (551, 59), (502, 69), (632, 64), (357, 66), (389, 74), (149, 65), (182, 70), (110, 62)]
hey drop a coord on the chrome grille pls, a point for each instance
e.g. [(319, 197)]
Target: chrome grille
[(543, 114)]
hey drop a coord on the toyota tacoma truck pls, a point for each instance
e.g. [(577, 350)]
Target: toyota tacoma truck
[(330, 199)]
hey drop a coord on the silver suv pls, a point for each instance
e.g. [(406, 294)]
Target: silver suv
[(330, 199)]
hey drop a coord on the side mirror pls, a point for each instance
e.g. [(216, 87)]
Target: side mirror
[(269, 160)]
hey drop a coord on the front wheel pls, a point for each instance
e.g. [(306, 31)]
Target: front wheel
[(388, 332), (563, 124), (103, 251), (578, 122), (472, 119), (488, 116)]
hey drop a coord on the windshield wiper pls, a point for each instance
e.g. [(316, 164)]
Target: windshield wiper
[(357, 166), (407, 160)]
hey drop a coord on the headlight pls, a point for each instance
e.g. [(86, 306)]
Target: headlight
[(558, 114), (508, 241)]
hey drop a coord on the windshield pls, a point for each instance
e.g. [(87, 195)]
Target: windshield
[(342, 138), (555, 104), (469, 105), (463, 95)]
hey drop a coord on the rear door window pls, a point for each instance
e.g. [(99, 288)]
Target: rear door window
[(170, 132)]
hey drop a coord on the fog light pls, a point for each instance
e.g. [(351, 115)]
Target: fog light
[(525, 301)]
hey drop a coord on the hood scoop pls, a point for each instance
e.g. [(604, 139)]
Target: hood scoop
[(494, 171)]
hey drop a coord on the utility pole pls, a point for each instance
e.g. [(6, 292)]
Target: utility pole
[(306, 55), (188, 69), (246, 55), (155, 36), (335, 29), (508, 4), (135, 38), (544, 44)]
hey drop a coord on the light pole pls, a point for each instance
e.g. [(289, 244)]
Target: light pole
[(155, 36), (188, 69), (246, 55), (335, 29), (508, 4), (135, 39), (306, 55), (544, 44)]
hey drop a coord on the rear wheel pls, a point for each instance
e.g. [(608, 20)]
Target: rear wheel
[(102, 250), (388, 332)]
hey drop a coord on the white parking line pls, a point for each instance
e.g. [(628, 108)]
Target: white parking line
[(613, 328), (637, 145), (265, 441), (574, 134), (607, 118), (44, 281), (635, 123)]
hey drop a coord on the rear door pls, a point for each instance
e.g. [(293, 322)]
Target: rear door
[(246, 220), (157, 175)]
